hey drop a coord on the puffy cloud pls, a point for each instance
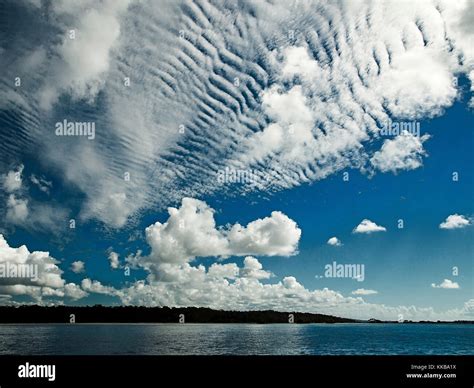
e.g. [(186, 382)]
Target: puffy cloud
[(404, 152), (74, 291), (114, 260), (191, 231), (181, 273), (94, 286), (229, 271), (363, 291), (455, 221), (367, 226), (446, 283), (254, 269), (12, 181), (78, 266), (276, 235), (35, 274), (419, 82), (334, 241), (48, 273)]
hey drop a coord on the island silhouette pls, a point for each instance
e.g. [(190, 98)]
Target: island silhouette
[(141, 314)]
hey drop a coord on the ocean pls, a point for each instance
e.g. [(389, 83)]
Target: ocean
[(237, 339)]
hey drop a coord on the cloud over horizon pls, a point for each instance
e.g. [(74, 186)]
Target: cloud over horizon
[(220, 286)]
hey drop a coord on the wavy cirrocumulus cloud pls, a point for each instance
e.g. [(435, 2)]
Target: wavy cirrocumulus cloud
[(180, 90)]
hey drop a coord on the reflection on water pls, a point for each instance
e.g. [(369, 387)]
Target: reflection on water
[(236, 339)]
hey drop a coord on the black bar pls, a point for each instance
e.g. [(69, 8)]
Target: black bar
[(312, 371)]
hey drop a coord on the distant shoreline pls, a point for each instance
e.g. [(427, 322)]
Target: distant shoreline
[(99, 314), (232, 323)]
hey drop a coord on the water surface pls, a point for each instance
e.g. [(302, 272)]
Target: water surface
[(236, 339)]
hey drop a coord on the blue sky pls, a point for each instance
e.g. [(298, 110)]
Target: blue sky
[(304, 110)]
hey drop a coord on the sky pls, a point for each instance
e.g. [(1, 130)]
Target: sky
[(296, 156)]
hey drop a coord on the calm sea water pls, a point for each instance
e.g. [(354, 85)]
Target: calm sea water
[(236, 339)]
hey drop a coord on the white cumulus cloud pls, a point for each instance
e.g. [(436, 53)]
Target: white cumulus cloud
[(367, 226), (114, 260), (404, 152), (78, 266), (446, 283), (334, 241), (191, 231), (47, 280), (455, 221), (253, 269)]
